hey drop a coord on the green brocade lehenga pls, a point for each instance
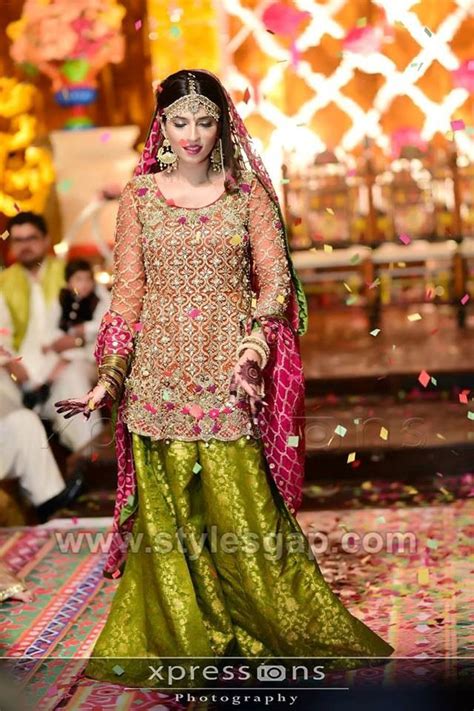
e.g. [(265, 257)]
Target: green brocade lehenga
[(205, 595)]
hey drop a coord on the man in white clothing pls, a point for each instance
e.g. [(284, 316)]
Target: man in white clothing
[(25, 455), (29, 291)]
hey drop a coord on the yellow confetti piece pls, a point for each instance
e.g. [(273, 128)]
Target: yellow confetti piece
[(236, 239), (414, 317), (440, 436), (351, 457), (13, 377), (383, 433), (444, 491), (327, 247), (366, 485), (280, 298), (347, 287), (4, 235), (423, 576), (330, 210), (254, 302)]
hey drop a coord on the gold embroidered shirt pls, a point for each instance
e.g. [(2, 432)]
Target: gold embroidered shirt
[(182, 282)]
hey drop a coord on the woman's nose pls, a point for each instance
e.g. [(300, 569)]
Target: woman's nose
[(193, 133)]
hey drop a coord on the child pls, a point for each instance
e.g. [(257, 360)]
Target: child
[(81, 306)]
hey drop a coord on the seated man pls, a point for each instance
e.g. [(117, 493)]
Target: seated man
[(25, 455), (29, 291)]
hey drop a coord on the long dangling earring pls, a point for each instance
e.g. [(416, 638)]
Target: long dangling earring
[(217, 157), (166, 157)]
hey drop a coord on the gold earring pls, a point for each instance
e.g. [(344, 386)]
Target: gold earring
[(217, 157), (166, 157)]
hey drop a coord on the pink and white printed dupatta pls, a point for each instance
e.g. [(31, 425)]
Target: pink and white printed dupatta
[(281, 423)]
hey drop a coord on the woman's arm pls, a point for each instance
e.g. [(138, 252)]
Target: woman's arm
[(269, 260), (115, 338), (129, 273)]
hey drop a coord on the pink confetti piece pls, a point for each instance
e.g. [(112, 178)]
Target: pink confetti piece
[(138, 326), (458, 125), (138, 24), (424, 378), (465, 299), (463, 396), (106, 136), (194, 313), (74, 519), (405, 239)]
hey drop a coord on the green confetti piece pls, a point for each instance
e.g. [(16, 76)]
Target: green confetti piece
[(428, 31), (361, 22), (351, 299), (470, 415), (341, 430), (355, 258), (432, 544), (284, 181), (65, 185), (175, 32), (117, 669), (166, 394), (130, 499), (197, 468), (434, 381), (293, 440)]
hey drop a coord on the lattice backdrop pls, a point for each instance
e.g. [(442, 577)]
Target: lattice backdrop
[(300, 88)]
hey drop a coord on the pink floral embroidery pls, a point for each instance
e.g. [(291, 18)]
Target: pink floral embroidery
[(194, 313), (215, 412)]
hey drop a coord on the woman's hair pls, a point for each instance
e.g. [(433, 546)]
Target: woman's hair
[(176, 85)]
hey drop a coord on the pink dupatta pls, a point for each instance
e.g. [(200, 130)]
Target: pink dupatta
[(281, 423)]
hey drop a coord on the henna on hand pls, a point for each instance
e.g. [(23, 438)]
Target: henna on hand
[(250, 371)]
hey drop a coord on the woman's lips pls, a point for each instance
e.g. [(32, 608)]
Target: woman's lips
[(192, 149)]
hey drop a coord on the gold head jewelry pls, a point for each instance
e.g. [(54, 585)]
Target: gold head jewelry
[(193, 101)]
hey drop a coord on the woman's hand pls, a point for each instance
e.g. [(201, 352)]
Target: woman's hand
[(86, 404), (248, 376)]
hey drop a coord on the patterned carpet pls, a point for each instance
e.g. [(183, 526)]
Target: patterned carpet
[(419, 597)]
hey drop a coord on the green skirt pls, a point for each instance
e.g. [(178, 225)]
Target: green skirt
[(219, 567)]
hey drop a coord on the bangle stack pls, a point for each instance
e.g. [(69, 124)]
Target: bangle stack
[(112, 372), (257, 344)]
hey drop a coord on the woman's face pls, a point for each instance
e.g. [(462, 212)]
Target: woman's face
[(189, 130)]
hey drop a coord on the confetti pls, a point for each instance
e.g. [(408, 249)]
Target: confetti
[(327, 248), (375, 332), (427, 31), (458, 125), (138, 326), (361, 22), (13, 377), (340, 430), (347, 287), (246, 96), (470, 415), (465, 299), (463, 396), (374, 283), (351, 457), (74, 519), (284, 181), (293, 440), (197, 468), (138, 24), (423, 576), (432, 544), (65, 185), (355, 258), (330, 210), (414, 317), (424, 378), (116, 574), (383, 433), (4, 235), (434, 381), (105, 136), (405, 239), (117, 669)]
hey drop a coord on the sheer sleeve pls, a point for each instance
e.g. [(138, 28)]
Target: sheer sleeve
[(129, 273), (268, 250)]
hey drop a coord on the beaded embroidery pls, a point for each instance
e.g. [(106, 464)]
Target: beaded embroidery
[(184, 275)]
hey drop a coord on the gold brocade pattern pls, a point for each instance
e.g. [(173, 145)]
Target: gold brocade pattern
[(261, 596), (184, 275)]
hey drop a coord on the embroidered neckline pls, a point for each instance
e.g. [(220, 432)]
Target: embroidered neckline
[(183, 207)]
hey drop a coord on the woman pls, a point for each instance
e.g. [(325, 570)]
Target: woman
[(205, 317)]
